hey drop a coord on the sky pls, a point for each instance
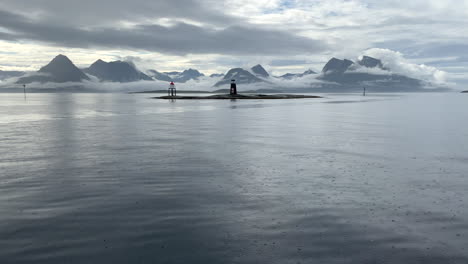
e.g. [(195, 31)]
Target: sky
[(215, 35)]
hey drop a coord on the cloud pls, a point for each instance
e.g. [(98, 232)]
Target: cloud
[(202, 84), (398, 64), (180, 38), (362, 69), (231, 32), (88, 13)]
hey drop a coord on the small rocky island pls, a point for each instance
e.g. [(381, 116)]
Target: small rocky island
[(233, 95), (239, 96), (465, 91)]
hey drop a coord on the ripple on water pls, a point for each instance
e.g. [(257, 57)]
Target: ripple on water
[(260, 182)]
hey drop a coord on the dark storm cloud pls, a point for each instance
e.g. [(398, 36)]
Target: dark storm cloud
[(180, 39), (92, 12), (6, 36)]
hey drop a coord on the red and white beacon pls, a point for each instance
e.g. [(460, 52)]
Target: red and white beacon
[(172, 91)]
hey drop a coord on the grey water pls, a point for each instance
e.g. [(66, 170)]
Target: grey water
[(119, 178)]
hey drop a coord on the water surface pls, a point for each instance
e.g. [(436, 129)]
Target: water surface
[(117, 178)]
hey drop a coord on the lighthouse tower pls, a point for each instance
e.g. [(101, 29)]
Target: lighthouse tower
[(233, 87), (172, 90)]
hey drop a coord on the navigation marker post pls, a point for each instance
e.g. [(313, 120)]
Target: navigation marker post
[(172, 90), (233, 90)]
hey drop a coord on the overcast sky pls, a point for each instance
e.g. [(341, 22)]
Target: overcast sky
[(214, 35)]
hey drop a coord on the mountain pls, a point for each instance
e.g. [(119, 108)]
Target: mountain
[(240, 75), (308, 72), (59, 70), (187, 75), (260, 71), (338, 75), (370, 62), (290, 76), (116, 71), (465, 91), (351, 76), (159, 76), (173, 73), (336, 66), (10, 74)]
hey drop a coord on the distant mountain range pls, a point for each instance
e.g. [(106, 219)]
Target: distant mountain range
[(160, 76), (182, 77), (346, 74), (179, 77), (240, 75), (336, 75), (217, 75), (290, 76), (257, 74)]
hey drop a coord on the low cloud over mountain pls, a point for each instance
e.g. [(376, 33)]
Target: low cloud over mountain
[(59, 70), (398, 64), (9, 74), (384, 74), (116, 71), (240, 75)]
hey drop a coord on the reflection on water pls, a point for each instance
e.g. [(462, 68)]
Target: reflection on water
[(352, 101), (108, 178)]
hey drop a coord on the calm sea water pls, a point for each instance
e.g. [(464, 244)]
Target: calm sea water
[(117, 178)]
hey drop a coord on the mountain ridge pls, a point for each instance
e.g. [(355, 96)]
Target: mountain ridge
[(290, 76), (346, 72), (260, 71), (116, 71), (336, 75), (240, 75)]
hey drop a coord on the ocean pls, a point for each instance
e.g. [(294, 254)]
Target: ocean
[(123, 178)]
